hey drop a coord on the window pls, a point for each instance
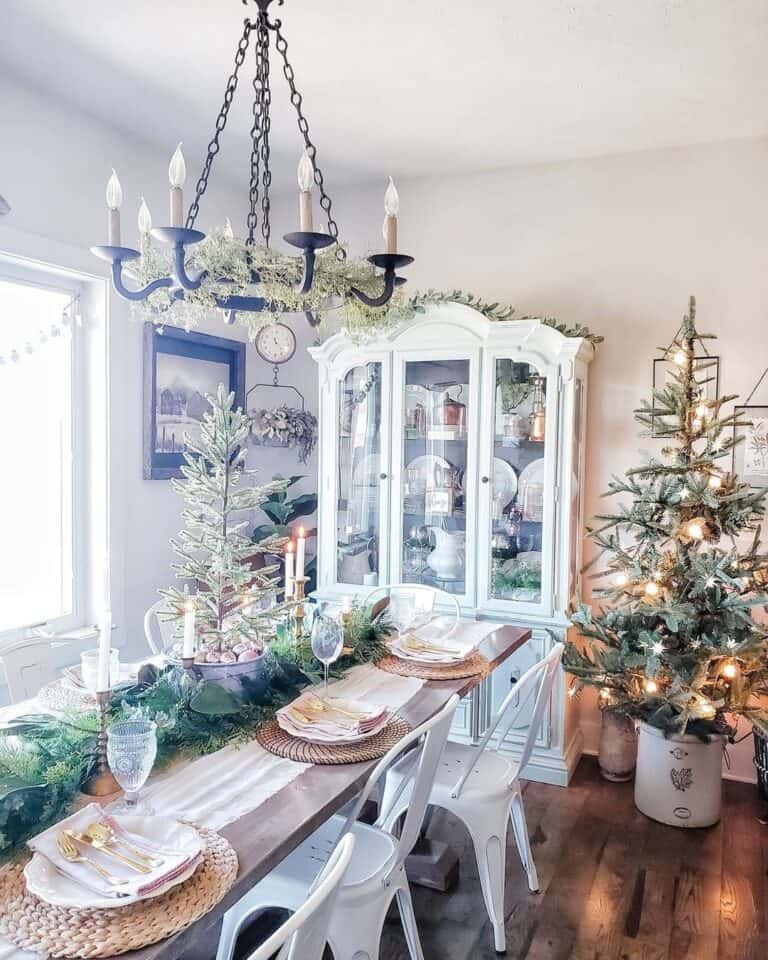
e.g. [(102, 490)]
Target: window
[(38, 440)]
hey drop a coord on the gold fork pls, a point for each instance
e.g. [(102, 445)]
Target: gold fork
[(68, 850), (101, 831), (324, 707), (105, 848), (413, 643)]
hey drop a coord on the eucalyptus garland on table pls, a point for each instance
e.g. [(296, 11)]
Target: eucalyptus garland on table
[(45, 759)]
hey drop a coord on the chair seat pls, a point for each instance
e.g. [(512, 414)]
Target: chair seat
[(491, 775), (288, 883)]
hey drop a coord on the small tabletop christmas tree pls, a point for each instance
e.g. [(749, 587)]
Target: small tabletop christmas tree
[(214, 549), (677, 644)]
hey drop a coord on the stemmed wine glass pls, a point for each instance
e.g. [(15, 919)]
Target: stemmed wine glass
[(131, 752), (327, 641)]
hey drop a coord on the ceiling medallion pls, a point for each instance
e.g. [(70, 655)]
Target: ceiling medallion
[(179, 274)]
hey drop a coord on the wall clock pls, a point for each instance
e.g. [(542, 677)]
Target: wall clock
[(275, 343)]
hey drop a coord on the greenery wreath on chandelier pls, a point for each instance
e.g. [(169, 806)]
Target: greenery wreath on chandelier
[(230, 262)]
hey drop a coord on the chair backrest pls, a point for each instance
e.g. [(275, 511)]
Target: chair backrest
[(424, 600), (28, 666), (158, 633), (304, 933), (538, 681), (430, 738)]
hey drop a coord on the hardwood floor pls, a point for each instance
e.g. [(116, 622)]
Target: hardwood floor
[(614, 885)]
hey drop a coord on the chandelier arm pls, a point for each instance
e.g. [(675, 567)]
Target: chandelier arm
[(180, 270), (390, 263), (221, 122), (281, 45), (135, 295)]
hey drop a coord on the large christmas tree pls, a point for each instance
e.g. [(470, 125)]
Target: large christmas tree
[(213, 550), (674, 640)]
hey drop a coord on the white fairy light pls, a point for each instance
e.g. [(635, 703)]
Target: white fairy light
[(657, 648)]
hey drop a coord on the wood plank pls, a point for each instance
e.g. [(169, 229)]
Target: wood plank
[(742, 904), (265, 836)]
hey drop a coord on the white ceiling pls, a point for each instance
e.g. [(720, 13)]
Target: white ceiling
[(412, 87)]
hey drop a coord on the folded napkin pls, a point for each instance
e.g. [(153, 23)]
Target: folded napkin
[(314, 716), (175, 863), (436, 642)]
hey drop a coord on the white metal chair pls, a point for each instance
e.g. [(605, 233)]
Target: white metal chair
[(29, 665), (158, 633), (304, 933), (481, 787), (377, 872)]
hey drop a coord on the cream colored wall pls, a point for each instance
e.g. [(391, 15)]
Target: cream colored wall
[(616, 243)]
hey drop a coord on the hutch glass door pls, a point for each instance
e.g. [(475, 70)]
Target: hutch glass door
[(519, 539), (434, 437), (359, 480)]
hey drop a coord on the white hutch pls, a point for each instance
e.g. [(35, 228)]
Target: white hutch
[(451, 453)]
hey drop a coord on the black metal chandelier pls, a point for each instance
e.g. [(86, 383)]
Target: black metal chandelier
[(171, 274)]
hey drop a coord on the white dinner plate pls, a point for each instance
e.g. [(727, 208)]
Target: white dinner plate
[(45, 881), (424, 466), (323, 736), (504, 482)]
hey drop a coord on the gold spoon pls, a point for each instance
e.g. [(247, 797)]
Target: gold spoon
[(105, 848), (100, 831), (68, 850)]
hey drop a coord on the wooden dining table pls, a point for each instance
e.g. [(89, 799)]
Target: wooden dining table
[(266, 835)]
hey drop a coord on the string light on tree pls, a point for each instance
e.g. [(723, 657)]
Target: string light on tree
[(715, 482), (657, 648), (652, 589), (650, 686), (695, 529), (621, 580), (731, 669)]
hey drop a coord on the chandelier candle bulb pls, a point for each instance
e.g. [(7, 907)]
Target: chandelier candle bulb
[(144, 219), (305, 176), (177, 174), (289, 570), (229, 233), (391, 208), (114, 201)]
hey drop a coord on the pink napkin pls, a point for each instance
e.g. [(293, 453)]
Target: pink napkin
[(136, 884), (330, 720)]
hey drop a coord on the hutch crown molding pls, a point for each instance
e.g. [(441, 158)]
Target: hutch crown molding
[(451, 453)]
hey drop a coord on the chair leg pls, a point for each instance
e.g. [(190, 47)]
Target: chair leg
[(520, 829), (490, 850), (408, 919)]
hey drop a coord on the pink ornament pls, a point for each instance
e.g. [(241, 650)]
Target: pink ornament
[(247, 655), (228, 657)]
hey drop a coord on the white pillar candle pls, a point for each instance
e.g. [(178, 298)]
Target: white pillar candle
[(305, 176), (391, 208), (301, 547), (188, 643), (177, 174), (105, 649), (289, 570), (114, 200)]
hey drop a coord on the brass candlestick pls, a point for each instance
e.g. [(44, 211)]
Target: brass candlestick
[(298, 613), (101, 783)]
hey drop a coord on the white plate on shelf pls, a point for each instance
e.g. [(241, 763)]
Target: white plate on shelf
[(425, 469), (531, 490), (45, 881), (504, 482)]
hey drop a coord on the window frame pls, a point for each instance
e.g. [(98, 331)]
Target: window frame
[(62, 281)]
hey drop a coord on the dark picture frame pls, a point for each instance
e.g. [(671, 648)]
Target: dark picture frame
[(712, 373), (179, 369), (750, 457)]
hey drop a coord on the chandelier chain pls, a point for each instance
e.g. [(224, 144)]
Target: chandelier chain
[(221, 122), (260, 111), (281, 44)]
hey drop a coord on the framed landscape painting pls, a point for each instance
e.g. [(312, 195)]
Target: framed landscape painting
[(180, 369), (750, 456)]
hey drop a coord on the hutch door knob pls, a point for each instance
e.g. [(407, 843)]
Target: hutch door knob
[(484, 479), (382, 476)]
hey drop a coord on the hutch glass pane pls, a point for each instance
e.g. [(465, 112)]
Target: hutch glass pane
[(434, 462), (517, 494), (359, 484)]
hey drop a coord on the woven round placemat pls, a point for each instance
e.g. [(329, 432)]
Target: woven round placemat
[(474, 666), (273, 738), (33, 924)]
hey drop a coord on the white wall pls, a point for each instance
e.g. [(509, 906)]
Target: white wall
[(617, 243)]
